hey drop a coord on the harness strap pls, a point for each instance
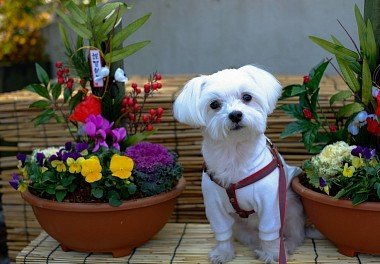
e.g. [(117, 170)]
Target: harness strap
[(282, 188)]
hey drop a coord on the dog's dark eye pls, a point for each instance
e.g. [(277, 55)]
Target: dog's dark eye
[(215, 105), (247, 97)]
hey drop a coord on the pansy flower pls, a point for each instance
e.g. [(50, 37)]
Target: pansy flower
[(81, 147), (348, 171), (18, 183), (121, 166), (91, 169), (74, 164), (58, 165), (365, 152)]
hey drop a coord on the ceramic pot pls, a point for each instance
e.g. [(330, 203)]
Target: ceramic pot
[(99, 227), (352, 229)]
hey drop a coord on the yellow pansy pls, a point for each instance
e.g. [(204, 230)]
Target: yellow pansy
[(74, 165), (91, 169), (373, 162), (357, 162), (43, 169), (58, 165), (121, 166), (348, 171), (326, 189), (23, 186)]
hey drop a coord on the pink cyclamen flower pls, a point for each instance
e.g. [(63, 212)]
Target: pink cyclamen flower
[(97, 128), (118, 135)]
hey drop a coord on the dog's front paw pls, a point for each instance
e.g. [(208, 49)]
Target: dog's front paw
[(222, 253), (269, 251)]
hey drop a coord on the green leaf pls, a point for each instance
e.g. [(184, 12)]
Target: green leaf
[(337, 50), (60, 195), (40, 90), (316, 75), (104, 11), (339, 96), (76, 13), (114, 201), (76, 99), (125, 52), (123, 34), (40, 104), (361, 29), (109, 23), (366, 83), (348, 75), (359, 198), (377, 186), (309, 136), (42, 75), (292, 90), (291, 129), (336, 41), (350, 109), (64, 37), (44, 117), (79, 29), (97, 192), (56, 90), (371, 46), (293, 110)]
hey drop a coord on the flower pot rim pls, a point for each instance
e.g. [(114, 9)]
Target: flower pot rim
[(97, 207), (325, 199)]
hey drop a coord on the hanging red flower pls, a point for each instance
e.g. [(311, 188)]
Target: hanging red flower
[(378, 105), (91, 105), (373, 126)]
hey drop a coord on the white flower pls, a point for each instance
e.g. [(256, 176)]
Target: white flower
[(375, 91), (120, 76), (353, 128), (103, 72), (359, 121), (48, 152)]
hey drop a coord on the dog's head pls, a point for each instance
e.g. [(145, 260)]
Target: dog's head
[(232, 102)]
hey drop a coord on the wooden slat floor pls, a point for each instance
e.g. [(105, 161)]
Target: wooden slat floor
[(181, 243)]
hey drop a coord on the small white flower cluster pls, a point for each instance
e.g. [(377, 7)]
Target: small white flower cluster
[(48, 152), (329, 161)]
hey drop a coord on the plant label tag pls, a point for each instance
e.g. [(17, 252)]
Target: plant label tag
[(96, 65)]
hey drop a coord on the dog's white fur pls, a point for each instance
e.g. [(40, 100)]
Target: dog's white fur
[(232, 151)]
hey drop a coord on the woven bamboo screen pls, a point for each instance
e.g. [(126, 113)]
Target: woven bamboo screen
[(18, 134)]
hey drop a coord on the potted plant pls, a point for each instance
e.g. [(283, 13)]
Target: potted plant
[(21, 41), (340, 189), (107, 190)]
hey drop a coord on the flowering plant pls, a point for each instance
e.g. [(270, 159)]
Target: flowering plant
[(346, 135), (107, 160)]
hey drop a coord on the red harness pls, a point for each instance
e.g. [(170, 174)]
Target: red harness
[(231, 192)]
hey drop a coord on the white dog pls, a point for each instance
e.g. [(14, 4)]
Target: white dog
[(231, 108)]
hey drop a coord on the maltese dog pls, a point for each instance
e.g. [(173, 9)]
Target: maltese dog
[(231, 107)]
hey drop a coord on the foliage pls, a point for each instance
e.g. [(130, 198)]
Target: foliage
[(347, 165), (345, 171), (20, 29), (106, 120)]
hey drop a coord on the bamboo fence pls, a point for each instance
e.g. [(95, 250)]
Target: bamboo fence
[(18, 134)]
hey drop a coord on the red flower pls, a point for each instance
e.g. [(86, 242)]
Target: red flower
[(373, 126), (307, 113), (332, 127), (90, 105), (378, 105), (306, 79)]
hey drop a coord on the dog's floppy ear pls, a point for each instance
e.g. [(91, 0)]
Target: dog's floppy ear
[(267, 82), (186, 108)]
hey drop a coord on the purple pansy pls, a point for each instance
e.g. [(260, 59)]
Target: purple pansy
[(57, 156), (322, 182), (79, 147), (365, 152), (40, 158), (68, 146), (148, 156), (15, 181), (73, 155), (21, 157)]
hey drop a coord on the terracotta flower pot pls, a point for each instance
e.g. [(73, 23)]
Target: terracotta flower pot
[(352, 229), (99, 227)]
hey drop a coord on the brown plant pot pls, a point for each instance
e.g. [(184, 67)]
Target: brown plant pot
[(352, 229), (99, 227)]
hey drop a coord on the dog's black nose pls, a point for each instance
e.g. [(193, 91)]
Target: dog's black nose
[(235, 116)]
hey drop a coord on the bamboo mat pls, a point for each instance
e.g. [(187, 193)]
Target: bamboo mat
[(18, 134), (181, 243)]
